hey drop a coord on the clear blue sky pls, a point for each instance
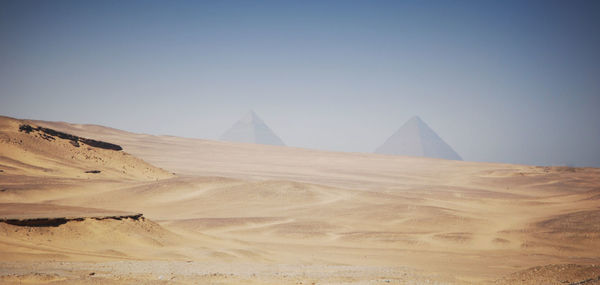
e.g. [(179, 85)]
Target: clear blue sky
[(502, 81)]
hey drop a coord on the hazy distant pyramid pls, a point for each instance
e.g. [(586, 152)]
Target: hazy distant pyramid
[(251, 129), (415, 138)]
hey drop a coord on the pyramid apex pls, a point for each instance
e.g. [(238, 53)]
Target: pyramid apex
[(251, 117), (415, 118)]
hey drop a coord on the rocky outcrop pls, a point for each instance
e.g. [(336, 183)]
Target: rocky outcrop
[(57, 221), (50, 134)]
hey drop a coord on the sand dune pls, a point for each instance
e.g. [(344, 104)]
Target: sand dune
[(27, 150), (244, 213)]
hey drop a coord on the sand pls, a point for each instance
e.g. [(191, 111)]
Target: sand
[(239, 213)]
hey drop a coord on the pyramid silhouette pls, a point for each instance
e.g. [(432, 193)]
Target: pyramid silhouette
[(251, 129), (415, 138)]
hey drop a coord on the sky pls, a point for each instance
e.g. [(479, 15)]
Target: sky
[(499, 81)]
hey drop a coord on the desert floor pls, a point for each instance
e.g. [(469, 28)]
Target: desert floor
[(251, 214)]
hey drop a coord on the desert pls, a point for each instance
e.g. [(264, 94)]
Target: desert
[(190, 211), (300, 142)]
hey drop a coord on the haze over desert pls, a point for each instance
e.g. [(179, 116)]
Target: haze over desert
[(300, 142)]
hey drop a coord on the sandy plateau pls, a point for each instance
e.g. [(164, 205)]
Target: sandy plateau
[(176, 210)]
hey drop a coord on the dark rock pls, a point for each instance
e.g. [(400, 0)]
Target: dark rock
[(58, 134), (25, 128), (101, 144), (55, 222), (93, 171), (49, 134)]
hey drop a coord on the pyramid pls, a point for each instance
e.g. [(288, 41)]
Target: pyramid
[(415, 138), (251, 129)]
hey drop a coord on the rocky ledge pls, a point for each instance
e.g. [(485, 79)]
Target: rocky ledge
[(50, 134), (57, 221)]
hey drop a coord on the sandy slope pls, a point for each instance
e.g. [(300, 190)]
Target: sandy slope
[(251, 214), (36, 153)]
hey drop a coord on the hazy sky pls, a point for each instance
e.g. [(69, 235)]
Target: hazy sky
[(499, 81)]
